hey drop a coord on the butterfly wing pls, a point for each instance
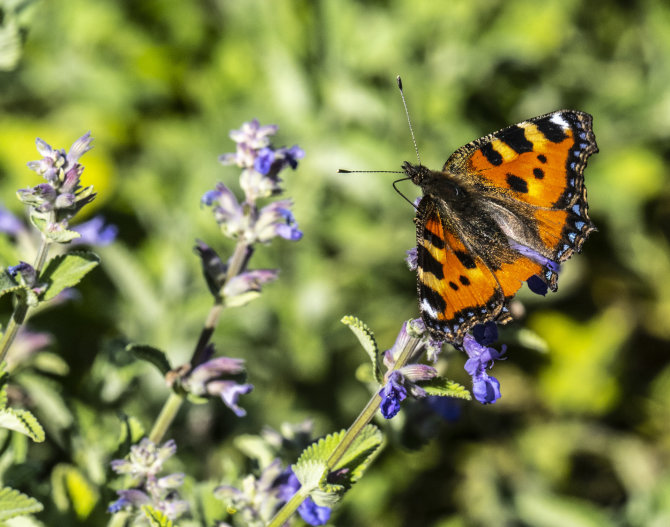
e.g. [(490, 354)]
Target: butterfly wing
[(526, 212), (534, 170), (456, 288)]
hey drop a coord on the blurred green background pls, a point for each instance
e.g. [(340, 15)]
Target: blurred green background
[(581, 436)]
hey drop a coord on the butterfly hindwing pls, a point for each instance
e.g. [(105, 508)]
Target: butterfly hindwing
[(455, 286)]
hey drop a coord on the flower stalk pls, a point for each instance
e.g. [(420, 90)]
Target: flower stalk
[(364, 418)]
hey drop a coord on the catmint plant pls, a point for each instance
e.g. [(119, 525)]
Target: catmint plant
[(232, 283), (51, 206)]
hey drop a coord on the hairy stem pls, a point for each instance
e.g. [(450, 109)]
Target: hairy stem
[(349, 437), (238, 263), (21, 308)]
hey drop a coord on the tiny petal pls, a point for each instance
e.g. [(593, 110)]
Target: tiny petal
[(289, 229), (230, 391), (418, 372), (79, 148), (411, 259), (486, 389), (249, 281), (27, 272), (264, 160), (293, 154), (312, 513), (393, 393), (446, 407), (43, 147), (95, 232), (171, 481), (537, 285), (486, 333), (10, 223)]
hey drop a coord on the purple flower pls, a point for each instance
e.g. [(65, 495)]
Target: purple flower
[(217, 377), (537, 285), (289, 156), (412, 259), (143, 463), (95, 232), (309, 511), (27, 272), (392, 394), (253, 134), (62, 192), (264, 160), (249, 281), (10, 223), (275, 219), (145, 459), (485, 388), (446, 407), (289, 229)]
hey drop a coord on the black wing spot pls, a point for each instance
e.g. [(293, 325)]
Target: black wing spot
[(491, 154), (552, 131), (464, 280), (428, 263), (514, 136), (542, 158), (538, 173), (467, 260), (453, 286), (434, 299), (516, 183)]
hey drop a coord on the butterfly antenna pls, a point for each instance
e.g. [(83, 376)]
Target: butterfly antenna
[(409, 121), (346, 171)]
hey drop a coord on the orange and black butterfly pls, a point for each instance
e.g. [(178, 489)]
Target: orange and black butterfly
[(504, 208)]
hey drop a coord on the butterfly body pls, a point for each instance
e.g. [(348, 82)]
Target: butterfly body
[(504, 208)]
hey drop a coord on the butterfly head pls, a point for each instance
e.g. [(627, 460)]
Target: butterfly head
[(417, 173)]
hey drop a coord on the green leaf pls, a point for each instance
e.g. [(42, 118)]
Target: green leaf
[(22, 421), (67, 270), (156, 518), (7, 283), (310, 469), (13, 503), (72, 489), (151, 355), (445, 388), (367, 339)]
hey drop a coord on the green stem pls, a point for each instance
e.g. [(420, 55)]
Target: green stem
[(21, 308), (164, 420), (349, 437), (173, 404)]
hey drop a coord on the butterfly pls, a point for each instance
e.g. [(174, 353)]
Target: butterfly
[(504, 208)]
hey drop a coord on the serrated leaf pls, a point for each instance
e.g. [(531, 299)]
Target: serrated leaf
[(22, 421), (152, 355), (367, 339), (7, 283), (62, 236), (67, 270), (156, 518), (443, 387), (310, 473), (346, 472), (13, 503)]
